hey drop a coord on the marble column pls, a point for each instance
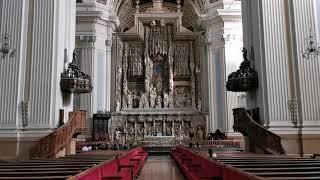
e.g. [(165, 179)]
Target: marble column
[(39, 31), (86, 44), (222, 36)]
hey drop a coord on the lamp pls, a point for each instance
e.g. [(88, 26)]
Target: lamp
[(312, 47), (5, 48)]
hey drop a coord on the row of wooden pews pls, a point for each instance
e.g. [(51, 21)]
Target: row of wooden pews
[(89, 165), (270, 166), (125, 167), (198, 167), (275, 167), (61, 168)]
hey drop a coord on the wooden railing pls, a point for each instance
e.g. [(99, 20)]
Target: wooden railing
[(51, 144), (257, 134)]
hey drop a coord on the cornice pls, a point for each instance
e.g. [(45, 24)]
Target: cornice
[(209, 20)]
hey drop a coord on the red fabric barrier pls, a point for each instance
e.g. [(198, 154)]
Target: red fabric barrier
[(124, 167), (196, 167)]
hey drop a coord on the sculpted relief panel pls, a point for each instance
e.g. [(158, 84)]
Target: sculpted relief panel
[(140, 127)]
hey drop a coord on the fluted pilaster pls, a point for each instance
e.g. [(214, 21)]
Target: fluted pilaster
[(308, 70), (11, 12), (273, 75)]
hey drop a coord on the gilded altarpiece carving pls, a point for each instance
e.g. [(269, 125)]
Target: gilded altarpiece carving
[(156, 93)]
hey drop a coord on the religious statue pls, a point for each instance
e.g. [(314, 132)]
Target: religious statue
[(140, 130), (118, 105), (150, 131), (153, 96), (165, 100), (158, 103), (168, 130), (200, 133), (186, 130), (118, 135), (177, 131), (159, 85), (159, 129), (199, 104), (131, 130), (130, 100), (142, 100)]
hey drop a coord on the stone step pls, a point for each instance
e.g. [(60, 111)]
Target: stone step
[(22, 169), (40, 173), (282, 169), (274, 165), (34, 178), (288, 174)]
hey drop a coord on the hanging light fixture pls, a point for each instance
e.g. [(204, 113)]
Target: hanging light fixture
[(5, 48), (312, 47)]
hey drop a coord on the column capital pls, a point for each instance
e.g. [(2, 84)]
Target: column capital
[(87, 40)]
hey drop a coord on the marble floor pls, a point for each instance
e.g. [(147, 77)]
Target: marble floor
[(160, 168)]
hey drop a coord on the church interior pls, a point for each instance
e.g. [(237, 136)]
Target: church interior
[(160, 89)]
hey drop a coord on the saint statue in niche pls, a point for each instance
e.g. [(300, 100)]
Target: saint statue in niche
[(118, 135), (142, 100), (153, 96), (199, 104), (159, 129), (168, 131), (130, 100), (165, 100), (158, 103), (200, 132), (118, 105), (150, 131)]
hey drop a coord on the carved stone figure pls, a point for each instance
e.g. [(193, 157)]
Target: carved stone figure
[(177, 130), (168, 130), (165, 100), (200, 133), (140, 130), (142, 100), (199, 104), (130, 100), (159, 129), (118, 135), (153, 96), (186, 129), (118, 105), (158, 103), (150, 131), (131, 130), (159, 86)]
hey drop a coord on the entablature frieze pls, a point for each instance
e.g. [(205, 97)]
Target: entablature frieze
[(96, 18), (207, 21)]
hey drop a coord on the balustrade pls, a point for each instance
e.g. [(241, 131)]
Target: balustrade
[(257, 134), (51, 144)]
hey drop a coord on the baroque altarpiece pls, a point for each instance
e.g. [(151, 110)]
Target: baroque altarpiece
[(157, 84)]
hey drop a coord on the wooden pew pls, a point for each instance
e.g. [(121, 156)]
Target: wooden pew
[(60, 168)]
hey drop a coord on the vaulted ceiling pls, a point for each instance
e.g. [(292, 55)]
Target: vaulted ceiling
[(125, 9)]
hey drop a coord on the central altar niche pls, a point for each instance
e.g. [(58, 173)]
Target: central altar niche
[(157, 87)]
